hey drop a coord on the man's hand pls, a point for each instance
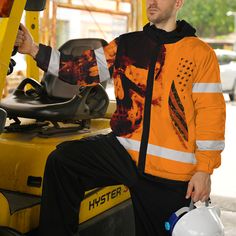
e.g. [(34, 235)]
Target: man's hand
[(25, 42), (199, 187)]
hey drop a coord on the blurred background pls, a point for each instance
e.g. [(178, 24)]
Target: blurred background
[(62, 20)]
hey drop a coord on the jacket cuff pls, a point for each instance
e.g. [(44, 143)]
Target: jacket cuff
[(207, 161), (43, 56), (204, 167)]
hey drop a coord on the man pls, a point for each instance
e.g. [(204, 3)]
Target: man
[(167, 130)]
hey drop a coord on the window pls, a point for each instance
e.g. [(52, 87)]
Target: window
[(72, 23)]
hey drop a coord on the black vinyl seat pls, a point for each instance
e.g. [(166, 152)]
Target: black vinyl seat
[(55, 100)]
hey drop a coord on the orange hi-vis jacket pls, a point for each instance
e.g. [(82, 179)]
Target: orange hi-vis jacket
[(170, 113)]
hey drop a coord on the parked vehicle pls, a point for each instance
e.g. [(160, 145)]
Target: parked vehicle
[(227, 61)]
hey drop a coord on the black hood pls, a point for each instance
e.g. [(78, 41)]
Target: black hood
[(182, 30)]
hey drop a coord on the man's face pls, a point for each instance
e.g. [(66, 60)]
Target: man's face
[(160, 11)]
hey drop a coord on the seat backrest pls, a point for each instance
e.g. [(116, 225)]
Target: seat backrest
[(32, 5), (58, 88)]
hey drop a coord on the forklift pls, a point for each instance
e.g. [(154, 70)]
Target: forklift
[(36, 117)]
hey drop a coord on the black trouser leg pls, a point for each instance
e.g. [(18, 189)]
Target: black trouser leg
[(73, 168), (154, 202), (77, 166)]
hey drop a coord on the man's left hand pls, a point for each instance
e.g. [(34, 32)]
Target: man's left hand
[(199, 187)]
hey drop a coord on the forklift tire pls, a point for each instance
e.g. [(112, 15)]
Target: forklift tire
[(117, 221), (5, 231)]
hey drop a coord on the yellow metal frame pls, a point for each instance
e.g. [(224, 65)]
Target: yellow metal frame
[(144, 12), (32, 24), (9, 27)]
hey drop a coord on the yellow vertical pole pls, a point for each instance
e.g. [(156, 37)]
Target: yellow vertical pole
[(141, 17), (8, 30), (144, 12), (32, 23)]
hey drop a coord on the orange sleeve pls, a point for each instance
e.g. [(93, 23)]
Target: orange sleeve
[(210, 112)]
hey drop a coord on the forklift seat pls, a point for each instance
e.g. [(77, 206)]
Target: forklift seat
[(53, 99)]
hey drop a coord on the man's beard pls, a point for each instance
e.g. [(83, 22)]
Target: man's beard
[(160, 17)]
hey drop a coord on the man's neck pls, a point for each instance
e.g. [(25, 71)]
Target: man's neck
[(167, 26)]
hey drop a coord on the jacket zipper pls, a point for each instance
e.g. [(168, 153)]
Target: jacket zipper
[(147, 109)]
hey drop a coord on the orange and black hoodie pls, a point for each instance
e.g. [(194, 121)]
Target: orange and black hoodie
[(170, 113)]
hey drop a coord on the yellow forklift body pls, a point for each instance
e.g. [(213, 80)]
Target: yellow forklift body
[(23, 220), (98, 202), (24, 155), (23, 158)]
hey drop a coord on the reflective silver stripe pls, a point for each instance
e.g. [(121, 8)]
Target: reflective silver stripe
[(209, 145), (170, 154), (129, 143), (54, 62), (207, 88), (104, 73)]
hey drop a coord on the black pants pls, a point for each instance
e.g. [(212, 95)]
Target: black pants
[(77, 166)]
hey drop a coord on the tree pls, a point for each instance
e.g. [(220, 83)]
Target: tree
[(209, 16)]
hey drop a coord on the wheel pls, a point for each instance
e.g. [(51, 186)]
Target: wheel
[(232, 95), (117, 221), (5, 231)]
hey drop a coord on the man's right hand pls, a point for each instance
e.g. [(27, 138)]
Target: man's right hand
[(25, 43)]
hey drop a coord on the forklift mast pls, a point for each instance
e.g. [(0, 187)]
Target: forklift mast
[(10, 16), (9, 26)]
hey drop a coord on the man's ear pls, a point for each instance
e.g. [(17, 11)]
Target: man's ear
[(179, 3)]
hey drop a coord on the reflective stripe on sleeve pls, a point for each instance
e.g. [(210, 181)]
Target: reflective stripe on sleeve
[(170, 154), (104, 73), (54, 62), (209, 145), (207, 88)]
